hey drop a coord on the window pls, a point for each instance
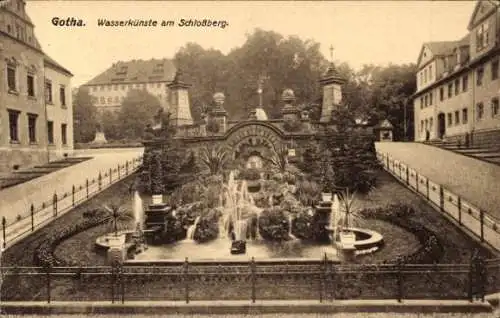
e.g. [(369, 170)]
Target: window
[(117, 99), (457, 86), (430, 72), (109, 87), (110, 100), (421, 102), (30, 80), (425, 100), (441, 93), (465, 83), (101, 88), (426, 124), (48, 92), (430, 98), (421, 78), (425, 75), (122, 87), (50, 132), (62, 95), (482, 36), (450, 119), (494, 107), (450, 90), (480, 73), (115, 87), (103, 100), (32, 128), (11, 78), (63, 134), (465, 116), (430, 123), (494, 70), (13, 125), (457, 117), (94, 100), (480, 111), (421, 125)]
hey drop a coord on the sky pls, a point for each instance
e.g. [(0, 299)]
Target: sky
[(371, 32)]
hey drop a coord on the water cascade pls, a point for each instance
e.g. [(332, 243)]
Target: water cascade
[(192, 229), (335, 216), (290, 235), (138, 211)]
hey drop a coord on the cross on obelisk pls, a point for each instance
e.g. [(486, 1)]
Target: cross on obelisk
[(331, 53)]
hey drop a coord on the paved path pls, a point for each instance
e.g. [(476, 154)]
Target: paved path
[(17, 200), (476, 181)]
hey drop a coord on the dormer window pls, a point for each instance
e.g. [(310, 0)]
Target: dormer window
[(482, 36)]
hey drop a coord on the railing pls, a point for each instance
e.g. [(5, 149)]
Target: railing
[(476, 220), (42, 213), (322, 280)]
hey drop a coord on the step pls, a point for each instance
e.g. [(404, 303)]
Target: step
[(487, 155)]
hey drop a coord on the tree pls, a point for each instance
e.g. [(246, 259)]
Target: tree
[(138, 109), (214, 159), (110, 125), (85, 116)]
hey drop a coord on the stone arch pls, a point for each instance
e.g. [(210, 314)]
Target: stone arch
[(252, 136)]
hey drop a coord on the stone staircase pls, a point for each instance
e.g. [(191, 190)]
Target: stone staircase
[(490, 153), (21, 176)]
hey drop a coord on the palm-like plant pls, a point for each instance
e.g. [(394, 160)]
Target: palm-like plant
[(119, 218), (347, 201), (279, 158), (214, 159)]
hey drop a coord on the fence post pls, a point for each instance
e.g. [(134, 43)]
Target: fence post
[(186, 281), (471, 268), (387, 159), (87, 187), (400, 280), (73, 195), (32, 212), (48, 284), (416, 179), (459, 203), (4, 225), (252, 269), (122, 284), (118, 171), (481, 218), (441, 198), (427, 185), (407, 176), (99, 180), (54, 204), (112, 283), (126, 168)]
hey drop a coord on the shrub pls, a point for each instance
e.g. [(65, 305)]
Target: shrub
[(208, 227), (302, 226), (274, 224)]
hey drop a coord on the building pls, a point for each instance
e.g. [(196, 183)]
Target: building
[(35, 96), (458, 85), (110, 88)]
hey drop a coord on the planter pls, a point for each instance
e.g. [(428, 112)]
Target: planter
[(238, 247)]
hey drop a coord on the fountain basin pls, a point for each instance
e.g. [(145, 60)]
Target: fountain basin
[(238, 247), (366, 241)]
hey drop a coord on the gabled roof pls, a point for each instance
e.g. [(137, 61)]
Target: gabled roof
[(491, 3), (136, 71), (51, 62)]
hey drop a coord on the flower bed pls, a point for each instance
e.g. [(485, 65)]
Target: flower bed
[(44, 253), (399, 214)]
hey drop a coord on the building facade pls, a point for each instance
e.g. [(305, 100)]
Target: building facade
[(458, 85), (109, 89), (25, 69)]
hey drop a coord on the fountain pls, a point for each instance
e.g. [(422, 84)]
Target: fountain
[(290, 235)]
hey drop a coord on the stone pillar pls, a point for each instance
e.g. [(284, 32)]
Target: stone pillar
[(289, 111), (219, 113), (331, 83), (117, 251), (179, 101), (306, 121)]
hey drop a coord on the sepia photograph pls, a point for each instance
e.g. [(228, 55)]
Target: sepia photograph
[(250, 158)]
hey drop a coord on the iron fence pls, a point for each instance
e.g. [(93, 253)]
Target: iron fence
[(39, 214), (482, 224), (321, 280)]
